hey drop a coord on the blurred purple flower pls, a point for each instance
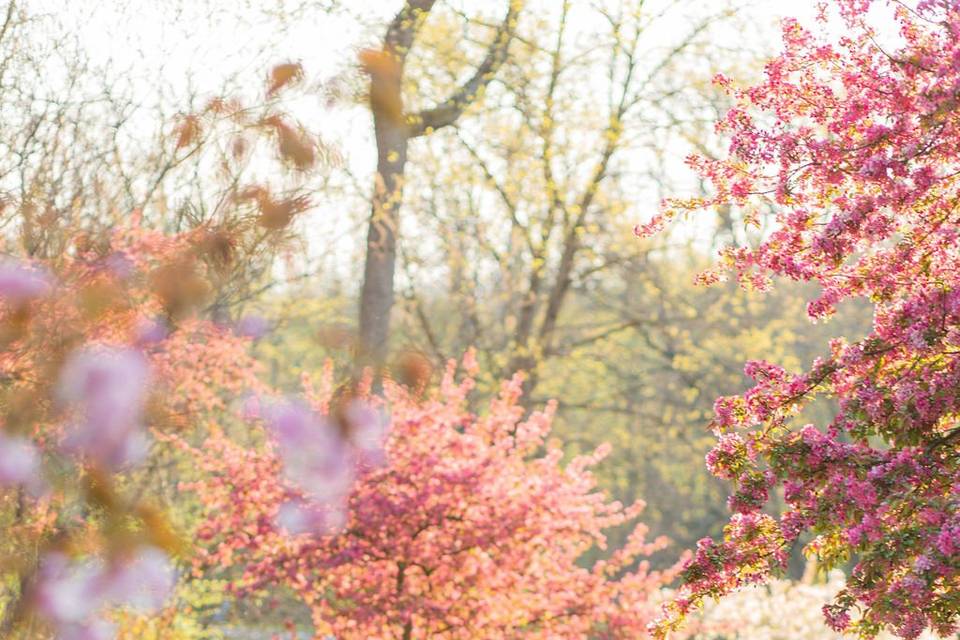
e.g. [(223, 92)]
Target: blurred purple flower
[(151, 331), (70, 595), (97, 629), (368, 431), (144, 583), (108, 388), (299, 516), (251, 409), (19, 461), (119, 265), (252, 327), (19, 283), (67, 593), (314, 454)]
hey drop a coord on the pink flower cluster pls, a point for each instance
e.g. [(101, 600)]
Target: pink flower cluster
[(466, 512), (855, 148)]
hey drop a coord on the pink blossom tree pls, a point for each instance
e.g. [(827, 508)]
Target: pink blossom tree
[(469, 527), (854, 146)]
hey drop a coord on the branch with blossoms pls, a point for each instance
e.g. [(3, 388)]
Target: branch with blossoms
[(854, 150)]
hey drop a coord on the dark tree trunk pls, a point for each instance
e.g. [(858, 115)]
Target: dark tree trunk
[(376, 297), (394, 128)]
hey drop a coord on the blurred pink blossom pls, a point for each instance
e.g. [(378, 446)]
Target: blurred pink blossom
[(19, 461), (368, 430), (96, 629), (299, 516), (107, 386), (72, 595), (252, 327), (151, 331), (314, 455), (19, 283), (66, 592), (145, 582)]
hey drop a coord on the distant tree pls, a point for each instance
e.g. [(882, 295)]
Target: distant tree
[(394, 127), (517, 242), (523, 207)]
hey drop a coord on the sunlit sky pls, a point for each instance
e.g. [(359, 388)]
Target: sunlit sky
[(231, 35), (205, 45)]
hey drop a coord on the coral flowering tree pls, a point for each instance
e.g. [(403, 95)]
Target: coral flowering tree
[(106, 338), (854, 145), (469, 527), (96, 350)]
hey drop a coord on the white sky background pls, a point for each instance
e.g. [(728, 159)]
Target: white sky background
[(190, 44)]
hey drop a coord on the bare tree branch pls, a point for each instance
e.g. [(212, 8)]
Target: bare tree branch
[(448, 111)]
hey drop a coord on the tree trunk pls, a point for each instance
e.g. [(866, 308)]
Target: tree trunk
[(394, 128), (377, 294)]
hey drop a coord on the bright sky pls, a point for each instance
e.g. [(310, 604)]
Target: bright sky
[(185, 44)]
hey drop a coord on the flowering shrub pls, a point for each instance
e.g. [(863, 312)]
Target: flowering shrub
[(103, 344), (468, 527), (92, 349), (853, 146)]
